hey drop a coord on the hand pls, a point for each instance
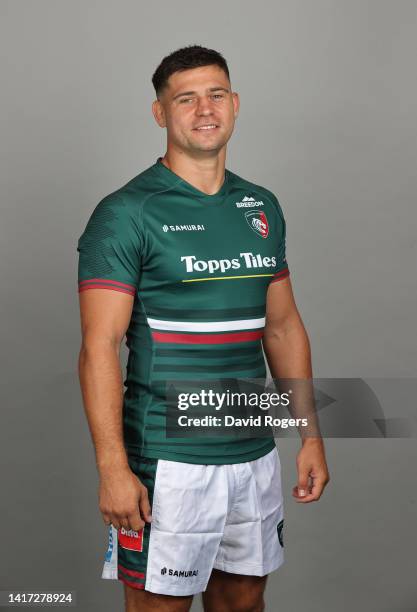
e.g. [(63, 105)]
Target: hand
[(313, 474), (123, 499)]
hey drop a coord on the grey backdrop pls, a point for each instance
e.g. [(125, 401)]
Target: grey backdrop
[(328, 95)]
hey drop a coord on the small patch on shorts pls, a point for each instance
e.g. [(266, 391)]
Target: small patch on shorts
[(109, 552), (130, 539), (280, 528)]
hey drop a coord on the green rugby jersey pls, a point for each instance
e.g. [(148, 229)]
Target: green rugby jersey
[(198, 267)]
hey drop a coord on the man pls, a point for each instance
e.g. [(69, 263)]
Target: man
[(187, 259)]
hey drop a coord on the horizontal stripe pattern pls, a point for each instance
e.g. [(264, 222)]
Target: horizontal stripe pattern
[(192, 353), (204, 314), (232, 367), (192, 332), (134, 585), (203, 326), (131, 573), (104, 283), (244, 336), (132, 578), (206, 356)]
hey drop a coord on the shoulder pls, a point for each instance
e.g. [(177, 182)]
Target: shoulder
[(127, 201), (254, 189)]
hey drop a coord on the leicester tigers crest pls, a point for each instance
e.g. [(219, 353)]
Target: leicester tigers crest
[(258, 222)]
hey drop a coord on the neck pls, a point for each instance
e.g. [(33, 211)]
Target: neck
[(205, 173)]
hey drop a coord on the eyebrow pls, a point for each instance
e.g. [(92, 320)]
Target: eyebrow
[(191, 93)]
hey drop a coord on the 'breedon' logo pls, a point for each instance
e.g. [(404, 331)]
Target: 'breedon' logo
[(258, 222), (249, 202)]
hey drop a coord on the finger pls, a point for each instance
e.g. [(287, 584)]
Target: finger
[(124, 522), (301, 498), (135, 521), (145, 506), (106, 519), (115, 521), (309, 497), (318, 487), (302, 485)]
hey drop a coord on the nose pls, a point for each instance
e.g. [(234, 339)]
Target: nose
[(204, 107)]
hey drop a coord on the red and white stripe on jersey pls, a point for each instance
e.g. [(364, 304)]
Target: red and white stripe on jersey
[(217, 332), (216, 326), (102, 283)]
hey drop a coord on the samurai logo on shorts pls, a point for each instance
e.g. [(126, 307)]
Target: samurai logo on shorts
[(178, 573), (130, 539), (258, 222), (280, 527)]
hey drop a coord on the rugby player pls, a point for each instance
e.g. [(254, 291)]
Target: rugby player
[(187, 260)]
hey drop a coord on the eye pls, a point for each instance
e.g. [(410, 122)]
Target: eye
[(218, 96), (185, 100)]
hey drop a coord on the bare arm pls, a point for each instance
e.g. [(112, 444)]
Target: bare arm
[(285, 339), (105, 316), (287, 349)]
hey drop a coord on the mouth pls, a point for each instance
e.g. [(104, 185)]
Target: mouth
[(206, 128)]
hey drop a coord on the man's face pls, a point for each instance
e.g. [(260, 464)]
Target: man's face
[(198, 109)]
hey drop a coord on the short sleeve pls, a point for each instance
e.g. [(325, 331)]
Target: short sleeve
[(280, 236), (110, 247)]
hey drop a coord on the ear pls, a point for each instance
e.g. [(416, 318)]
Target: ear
[(236, 103), (158, 113)]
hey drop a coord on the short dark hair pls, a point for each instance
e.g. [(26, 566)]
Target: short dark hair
[(193, 56)]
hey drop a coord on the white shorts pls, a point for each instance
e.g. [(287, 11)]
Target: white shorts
[(227, 517)]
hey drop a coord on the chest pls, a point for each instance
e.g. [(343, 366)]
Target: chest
[(185, 243)]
